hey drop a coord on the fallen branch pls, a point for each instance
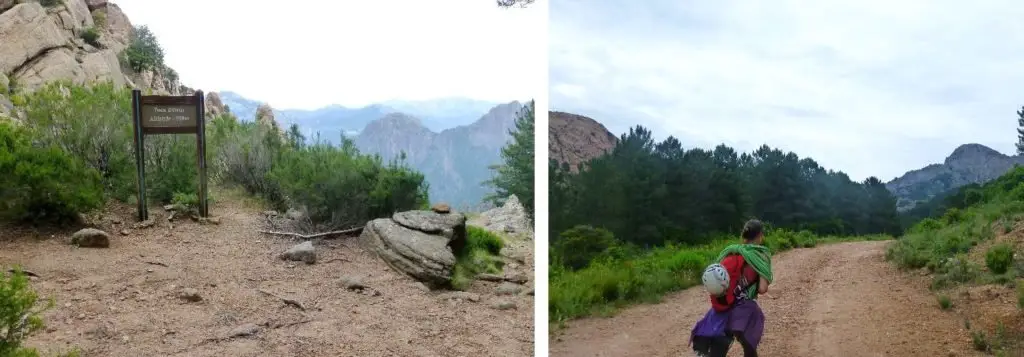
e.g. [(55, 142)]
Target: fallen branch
[(26, 272), (287, 301), (317, 235), (156, 263)]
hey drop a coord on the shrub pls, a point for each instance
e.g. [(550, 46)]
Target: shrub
[(92, 124), (579, 245), (99, 19), (42, 182), (999, 258), (91, 36), (143, 52), (944, 302), (481, 239), (339, 187), (478, 255), (50, 3), (170, 167), (244, 156), (19, 315)]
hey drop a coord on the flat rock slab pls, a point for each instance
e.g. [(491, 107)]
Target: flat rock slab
[(429, 221)]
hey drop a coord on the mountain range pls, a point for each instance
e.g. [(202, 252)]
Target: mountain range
[(334, 120), (453, 152), (969, 163)]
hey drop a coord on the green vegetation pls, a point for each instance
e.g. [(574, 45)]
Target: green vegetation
[(999, 258), (479, 255), (42, 183), (944, 302), (515, 174), (75, 150), (51, 3), (99, 19), (91, 36), (143, 52), (20, 315), (948, 242), (647, 218)]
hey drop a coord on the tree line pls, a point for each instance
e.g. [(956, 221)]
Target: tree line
[(651, 193)]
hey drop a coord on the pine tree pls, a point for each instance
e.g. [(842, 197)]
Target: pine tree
[(515, 175), (1020, 131)]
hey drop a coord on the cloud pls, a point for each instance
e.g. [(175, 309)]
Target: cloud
[(311, 53), (871, 88)]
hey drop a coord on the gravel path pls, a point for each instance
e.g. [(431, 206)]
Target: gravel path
[(125, 300), (834, 300)]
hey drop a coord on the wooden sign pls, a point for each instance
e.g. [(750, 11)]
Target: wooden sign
[(169, 115)]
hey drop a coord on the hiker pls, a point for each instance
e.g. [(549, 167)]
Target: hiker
[(736, 314)]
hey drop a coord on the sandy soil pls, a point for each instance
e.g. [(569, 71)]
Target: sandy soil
[(833, 300), (124, 300)]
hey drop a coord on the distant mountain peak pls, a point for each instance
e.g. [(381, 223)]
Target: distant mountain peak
[(967, 164), (973, 152)]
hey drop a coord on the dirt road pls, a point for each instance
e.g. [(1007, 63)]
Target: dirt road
[(125, 300), (833, 300)]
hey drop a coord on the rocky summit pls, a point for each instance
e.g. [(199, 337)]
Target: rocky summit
[(420, 244), (575, 139), (969, 163)]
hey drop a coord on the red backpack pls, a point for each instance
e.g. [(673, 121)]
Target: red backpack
[(734, 264)]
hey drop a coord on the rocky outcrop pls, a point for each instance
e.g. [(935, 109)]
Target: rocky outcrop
[(214, 106), (575, 139), (969, 163), (420, 244), (510, 218), (44, 44)]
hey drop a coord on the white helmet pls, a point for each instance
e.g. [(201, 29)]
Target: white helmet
[(715, 279)]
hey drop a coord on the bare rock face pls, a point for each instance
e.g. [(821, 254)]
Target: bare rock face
[(214, 106), (420, 244), (28, 34), (967, 164), (576, 139), (511, 217)]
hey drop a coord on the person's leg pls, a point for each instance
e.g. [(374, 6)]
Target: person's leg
[(748, 349), (720, 346)]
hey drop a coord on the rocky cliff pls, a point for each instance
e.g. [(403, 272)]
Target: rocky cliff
[(74, 40), (575, 139), (455, 161), (969, 163)]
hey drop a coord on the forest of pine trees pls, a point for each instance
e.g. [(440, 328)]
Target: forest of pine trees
[(649, 193)]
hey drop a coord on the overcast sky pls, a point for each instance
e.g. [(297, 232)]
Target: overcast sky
[(871, 88), (311, 53)]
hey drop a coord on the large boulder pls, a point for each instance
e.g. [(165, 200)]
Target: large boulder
[(420, 244)]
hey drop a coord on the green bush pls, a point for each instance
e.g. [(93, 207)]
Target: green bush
[(99, 19), (339, 187), (481, 239), (478, 255), (1020, 294), (92, 124), (91, 36), (170, 167), (50, 3), (944, 302), (999, 258), (143, 52), (42, 183), (244, 156), (20, 316), (580, 245)]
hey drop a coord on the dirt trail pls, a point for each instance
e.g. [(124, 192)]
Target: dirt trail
[(124, 300), (834, 300)]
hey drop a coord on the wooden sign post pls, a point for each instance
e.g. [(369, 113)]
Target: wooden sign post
[(154, 115)]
